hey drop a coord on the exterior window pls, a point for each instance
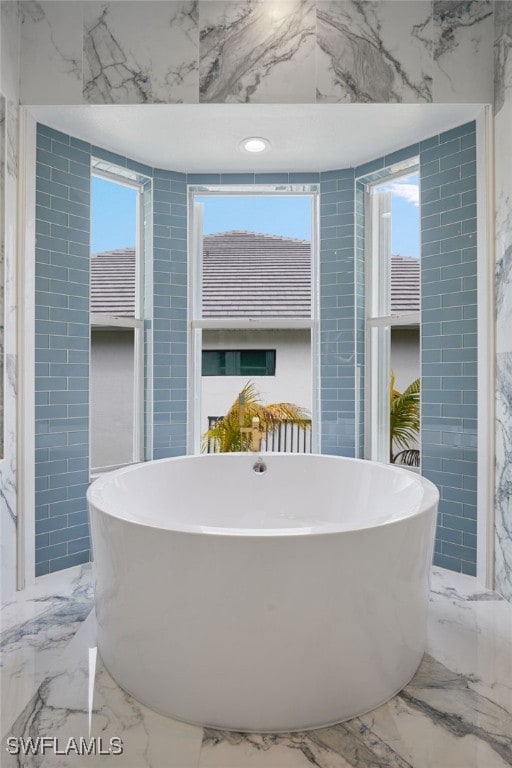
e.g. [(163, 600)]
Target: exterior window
[(245, 362), (117, 319), (392, 309), (253, 298)]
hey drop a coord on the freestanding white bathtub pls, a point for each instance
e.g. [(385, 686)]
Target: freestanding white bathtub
[(279, 600)]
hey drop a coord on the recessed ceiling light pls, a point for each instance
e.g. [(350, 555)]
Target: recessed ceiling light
[(255, 144)]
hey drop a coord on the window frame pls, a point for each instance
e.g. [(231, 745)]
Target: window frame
[(197, 323), (236, 362), (378, 326), (123, 177)]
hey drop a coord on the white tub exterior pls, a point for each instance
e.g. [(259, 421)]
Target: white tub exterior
[(279, 601)]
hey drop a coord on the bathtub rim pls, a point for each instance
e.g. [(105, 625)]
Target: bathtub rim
[(428, 503)]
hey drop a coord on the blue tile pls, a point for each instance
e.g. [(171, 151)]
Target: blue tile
[(79, 545), (367, 168), (400, 155), (42, 569), (144, 170), (79, 144), (461, 159), (79, 196), (468, 568), (111, 157), (73, 533), (330, 175), (441, 150), (304, 178), (271, 178), (456, 550), (57, 564), (203, 178), (53, 161), (458, 187), (160, 173), (428, 169), (237, 178), (443, 178), (46, 553), (74, 154), (462, 130)]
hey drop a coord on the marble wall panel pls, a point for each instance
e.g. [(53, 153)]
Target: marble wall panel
[(9, 48), (10, 59), (461, 46), (503, 176), (140, 53), (503, 503), (2, 262), (374, 51), (252, 51), (51, 40), (8, 463), (292, 51)]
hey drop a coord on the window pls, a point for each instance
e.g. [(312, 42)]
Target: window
[(392, 303), (116, 317), (253, 298), (244, 362)]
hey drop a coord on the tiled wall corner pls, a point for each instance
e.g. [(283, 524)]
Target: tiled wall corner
[(61, 350), (448, 331), (449, 339), (337, 313), (170, 314)]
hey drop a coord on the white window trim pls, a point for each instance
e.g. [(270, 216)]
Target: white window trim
[(197, 324), (375, 433), (127, 179)]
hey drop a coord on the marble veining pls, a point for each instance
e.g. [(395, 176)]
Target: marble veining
[(253, 51), (455, 713), (374, 52), (2, 260), (9, 48), (463, 32), (10, 77), (121, 68), (51, 32), (12, 138), (503, 296), (502, 53), (503, 495), (34, 633), (436, 694)]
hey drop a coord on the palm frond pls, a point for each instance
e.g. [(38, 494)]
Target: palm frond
[(404, 424), (226, 432)]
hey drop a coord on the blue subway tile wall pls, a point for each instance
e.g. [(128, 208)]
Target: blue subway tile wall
[(62, 327), (448, 330), (61, 350), (62, 342), (449, 339), (337, 313), (170, 314)]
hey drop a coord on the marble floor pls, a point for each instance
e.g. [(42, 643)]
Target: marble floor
[(455, 713)]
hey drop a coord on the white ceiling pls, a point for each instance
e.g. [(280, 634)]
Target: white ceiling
[(205, 137)]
